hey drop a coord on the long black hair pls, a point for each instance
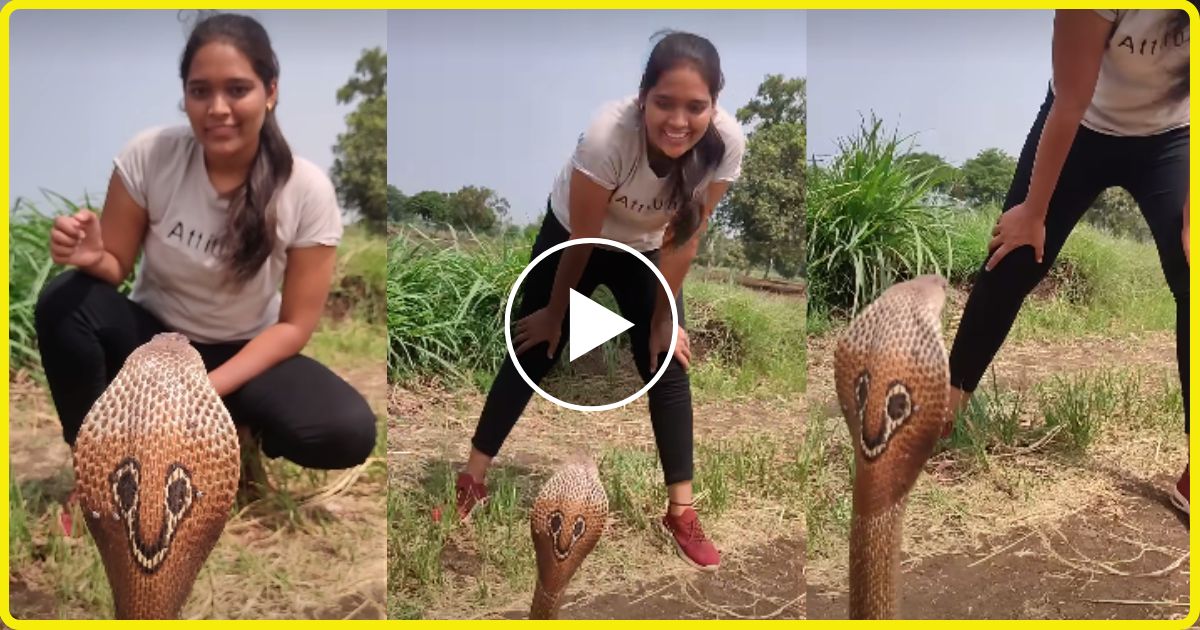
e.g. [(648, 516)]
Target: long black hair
[(688, 172), (249, 233)]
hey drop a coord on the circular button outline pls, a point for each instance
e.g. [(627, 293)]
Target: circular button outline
[(512, 353)]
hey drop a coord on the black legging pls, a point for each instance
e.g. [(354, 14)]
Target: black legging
[(300, 409), (635, 288), (1154, 169)]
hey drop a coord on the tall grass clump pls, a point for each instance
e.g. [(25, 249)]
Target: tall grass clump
[(446, 300), (868, 223), (29, 269)]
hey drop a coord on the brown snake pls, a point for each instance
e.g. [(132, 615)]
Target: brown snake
[(156, 470), (566, 522), (893, 385)]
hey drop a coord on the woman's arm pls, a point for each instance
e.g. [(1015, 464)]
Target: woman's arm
[(306, 283), (675, 261), (588, 206), (1079, 41), (1080, 37), (105, 248), (588, 201)]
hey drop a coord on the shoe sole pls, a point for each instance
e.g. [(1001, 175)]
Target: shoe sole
[(662, 529), (1180, 503)]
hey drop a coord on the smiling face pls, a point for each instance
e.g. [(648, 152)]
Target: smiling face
[(226, 102), (677, 110)]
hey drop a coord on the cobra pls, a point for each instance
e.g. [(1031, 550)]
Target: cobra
[(892, 379), (156, 471), (566, 522)]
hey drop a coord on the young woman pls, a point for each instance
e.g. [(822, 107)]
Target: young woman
[(1116, 115), (222, 214), (647, 173)]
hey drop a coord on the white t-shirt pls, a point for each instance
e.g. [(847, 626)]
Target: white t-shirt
[(612, 153), (180, 276), (1136, 72)]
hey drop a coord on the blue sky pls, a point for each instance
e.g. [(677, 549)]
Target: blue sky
[(499, 98), (961, 80), (84, 82)]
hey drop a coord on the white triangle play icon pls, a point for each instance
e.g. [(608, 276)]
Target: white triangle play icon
[(591, 324)]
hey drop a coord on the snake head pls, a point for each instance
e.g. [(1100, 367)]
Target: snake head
[(156, 469), (892, 379), (566, 522)]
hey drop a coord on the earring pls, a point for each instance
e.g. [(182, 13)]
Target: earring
[(270, 107)]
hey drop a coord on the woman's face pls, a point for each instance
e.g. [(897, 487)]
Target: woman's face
[(226, 102), (677, 111)]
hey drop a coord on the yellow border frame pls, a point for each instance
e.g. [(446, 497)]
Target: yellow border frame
[(16, 5)]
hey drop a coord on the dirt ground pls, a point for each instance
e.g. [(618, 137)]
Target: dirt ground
[(1118, 561), (325, 558)]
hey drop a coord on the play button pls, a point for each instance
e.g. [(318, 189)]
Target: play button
[(592, 325), (603, 353)]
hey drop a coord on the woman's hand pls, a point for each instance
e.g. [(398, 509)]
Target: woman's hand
[(660, 341), (75, 239), (1021, 225), (542, 325)]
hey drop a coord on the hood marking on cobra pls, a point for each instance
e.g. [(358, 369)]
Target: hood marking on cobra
[(178, 496)]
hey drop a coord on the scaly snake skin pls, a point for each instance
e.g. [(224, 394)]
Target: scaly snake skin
[(156, 471), (567, 520), (893, 385)]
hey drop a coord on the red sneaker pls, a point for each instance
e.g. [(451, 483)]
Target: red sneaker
[(468, 494), (690, 542), (1179, 494)]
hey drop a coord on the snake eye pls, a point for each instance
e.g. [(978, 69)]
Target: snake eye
[(556, 523), (579, 529), (125, 484)]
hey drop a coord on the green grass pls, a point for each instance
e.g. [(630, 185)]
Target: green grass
[(445, 304), (867, 224), (360, 279), (29, 268), (751, 341)]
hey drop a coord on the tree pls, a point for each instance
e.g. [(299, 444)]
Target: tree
[(477, 207), (1116, 211), (765, 208), (987, 176), (942, 173), (395, 204), (430, 205), (360, 155), (778, 100)]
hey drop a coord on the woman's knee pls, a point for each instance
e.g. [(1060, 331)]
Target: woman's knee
[(342, 439), (1016, 275), (62, 296)]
